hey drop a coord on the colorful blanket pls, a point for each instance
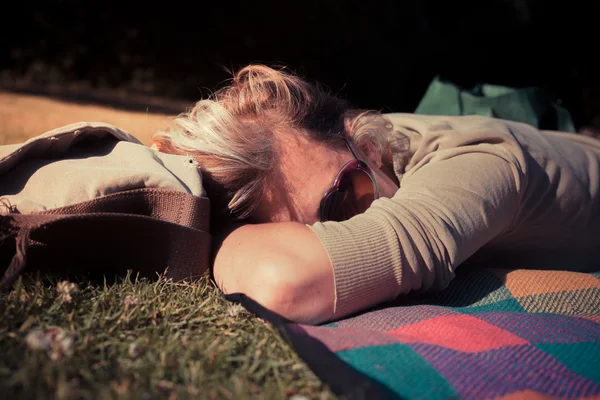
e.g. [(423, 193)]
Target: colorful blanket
[(491, 334)]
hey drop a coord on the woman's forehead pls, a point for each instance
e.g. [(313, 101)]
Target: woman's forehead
[(302, 176)]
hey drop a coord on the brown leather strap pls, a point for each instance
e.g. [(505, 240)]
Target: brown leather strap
[(177, 207), (145, 230), (103, 242)]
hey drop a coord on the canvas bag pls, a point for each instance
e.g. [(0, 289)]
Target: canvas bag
[(90, 197)]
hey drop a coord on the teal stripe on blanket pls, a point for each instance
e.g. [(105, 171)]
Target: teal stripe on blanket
[(401, 369)]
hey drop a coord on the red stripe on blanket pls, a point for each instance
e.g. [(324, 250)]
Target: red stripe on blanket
[(458, 332)]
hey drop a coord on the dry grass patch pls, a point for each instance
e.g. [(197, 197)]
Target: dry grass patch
[(24, 116)]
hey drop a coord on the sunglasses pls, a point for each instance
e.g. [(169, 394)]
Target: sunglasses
[(352, 192)]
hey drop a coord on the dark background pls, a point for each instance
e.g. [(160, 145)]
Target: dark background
[(376, 54)]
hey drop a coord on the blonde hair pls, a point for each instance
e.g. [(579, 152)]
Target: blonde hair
[(233, 133)]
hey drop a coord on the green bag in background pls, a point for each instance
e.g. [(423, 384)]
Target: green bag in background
[(530, 105)]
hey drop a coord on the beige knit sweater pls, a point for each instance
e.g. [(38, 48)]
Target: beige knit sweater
[(505, 192)]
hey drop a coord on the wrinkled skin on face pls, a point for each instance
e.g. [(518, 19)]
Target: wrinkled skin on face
[(305, 171)]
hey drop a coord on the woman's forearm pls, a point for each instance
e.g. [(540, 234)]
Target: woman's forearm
[(283, 266)]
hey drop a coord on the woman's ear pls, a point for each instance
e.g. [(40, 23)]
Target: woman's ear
[(370, 152)]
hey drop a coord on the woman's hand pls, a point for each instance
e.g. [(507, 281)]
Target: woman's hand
[(281, 265)]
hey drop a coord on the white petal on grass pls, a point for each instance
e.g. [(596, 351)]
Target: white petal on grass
[(53, 340), (234, 310), (134, 350), (130, 300), (65, 289)]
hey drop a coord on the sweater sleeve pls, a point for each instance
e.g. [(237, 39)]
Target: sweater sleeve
[(444, 211)]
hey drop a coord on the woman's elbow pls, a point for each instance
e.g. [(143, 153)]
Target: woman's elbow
[(278, 295), (295, 296), (282, 266)]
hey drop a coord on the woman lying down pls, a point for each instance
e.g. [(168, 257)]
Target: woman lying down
[(343, 209)]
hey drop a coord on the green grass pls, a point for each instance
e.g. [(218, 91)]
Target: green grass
[(140, 339)]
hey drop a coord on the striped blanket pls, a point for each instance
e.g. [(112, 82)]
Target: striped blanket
[(491, 334)]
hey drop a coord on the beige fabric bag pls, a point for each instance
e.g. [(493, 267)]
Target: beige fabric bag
[(91, 196)]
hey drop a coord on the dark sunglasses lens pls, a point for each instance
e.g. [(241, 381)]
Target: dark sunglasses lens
[(363, 189), (355, 195), (333, 206)]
